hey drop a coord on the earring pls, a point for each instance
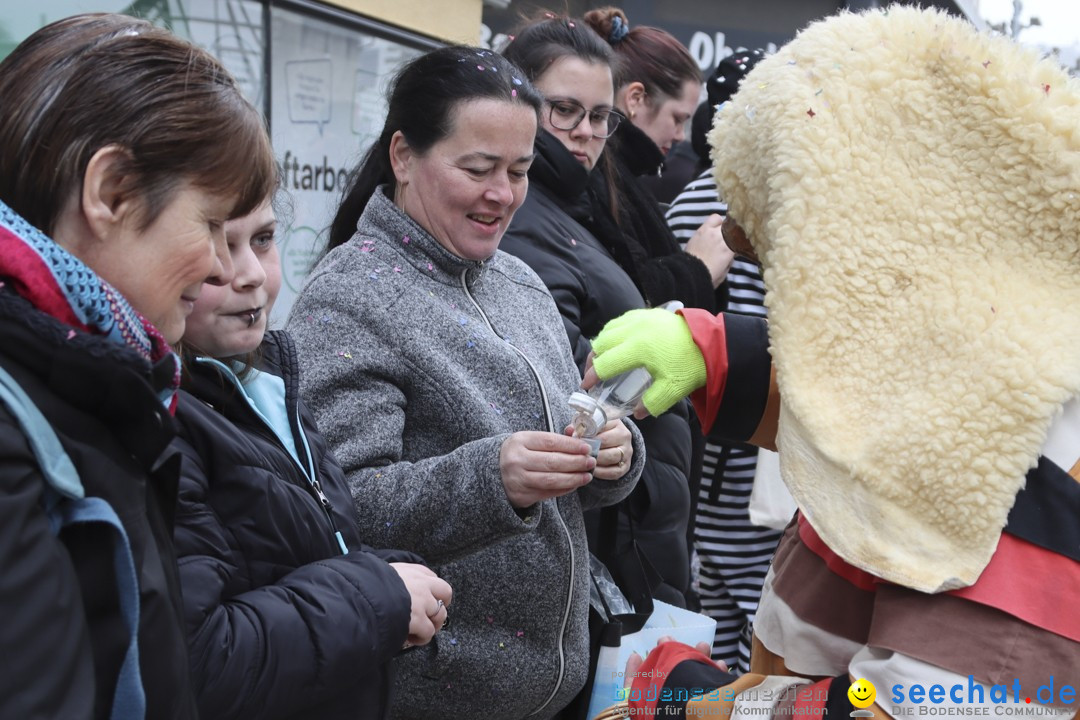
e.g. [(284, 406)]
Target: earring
[(632, 114), (399, 192)]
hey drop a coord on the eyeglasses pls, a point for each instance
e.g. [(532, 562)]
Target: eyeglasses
[(568, 114)]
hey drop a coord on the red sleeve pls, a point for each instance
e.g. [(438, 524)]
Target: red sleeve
[(810, 700), (649, 683), (710, 335)]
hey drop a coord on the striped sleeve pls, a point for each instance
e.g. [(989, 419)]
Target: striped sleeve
[(693, 205)]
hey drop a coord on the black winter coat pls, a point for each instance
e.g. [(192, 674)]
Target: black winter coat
[(640, 240), (645, 247), (548, 233), (280, 623), (62, 634)]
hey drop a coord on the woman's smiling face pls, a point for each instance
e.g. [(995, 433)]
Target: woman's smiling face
[(161, 269), (465, 189)]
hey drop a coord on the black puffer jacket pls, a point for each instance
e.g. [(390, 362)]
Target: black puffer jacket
[(589, 288), (280, 623), (641, 241), (62, 631)]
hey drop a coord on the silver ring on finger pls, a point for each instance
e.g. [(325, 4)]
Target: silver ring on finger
[(438, 607)]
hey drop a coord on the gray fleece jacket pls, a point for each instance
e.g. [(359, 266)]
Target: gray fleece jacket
[(418, 364)]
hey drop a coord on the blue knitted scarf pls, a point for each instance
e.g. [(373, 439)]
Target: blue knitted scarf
[(59, 284)]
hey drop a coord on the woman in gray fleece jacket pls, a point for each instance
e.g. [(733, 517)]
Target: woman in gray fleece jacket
[(438, 370)]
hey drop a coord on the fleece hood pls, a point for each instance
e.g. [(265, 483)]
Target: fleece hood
[(912, 188)]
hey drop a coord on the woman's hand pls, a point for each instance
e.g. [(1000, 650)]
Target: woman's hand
[(616, 450), (431, 596), (707, 244), (540, 465)]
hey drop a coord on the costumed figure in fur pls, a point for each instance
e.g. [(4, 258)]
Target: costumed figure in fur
[(911, 188)]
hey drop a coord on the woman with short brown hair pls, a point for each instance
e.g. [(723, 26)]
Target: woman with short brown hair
[(123, 151)]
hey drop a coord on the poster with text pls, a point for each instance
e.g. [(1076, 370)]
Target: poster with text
[(328, 85)]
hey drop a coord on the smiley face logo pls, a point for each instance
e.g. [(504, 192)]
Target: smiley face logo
[(862, 693)]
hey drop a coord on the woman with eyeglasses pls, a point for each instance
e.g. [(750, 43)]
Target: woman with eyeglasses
[(571, 67)]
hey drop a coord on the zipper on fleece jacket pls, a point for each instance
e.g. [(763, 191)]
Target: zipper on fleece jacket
[(562, 523), (268, 432)]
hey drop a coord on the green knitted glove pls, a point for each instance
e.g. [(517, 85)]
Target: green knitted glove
[(659, 341)]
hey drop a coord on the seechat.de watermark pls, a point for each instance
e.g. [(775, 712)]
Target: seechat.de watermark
[(974, 698)]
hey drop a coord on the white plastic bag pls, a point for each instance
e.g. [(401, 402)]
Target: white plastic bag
[(771, 505), (666, 620)]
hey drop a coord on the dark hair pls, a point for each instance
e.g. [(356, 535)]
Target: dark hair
[(721, 85), (282, 204), (648, 55), (548, 37), (284, 211), (89, 81), (725, 79), (422, 99)]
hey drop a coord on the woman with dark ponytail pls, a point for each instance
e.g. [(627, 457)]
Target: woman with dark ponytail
[(424, 120), (437, 369)]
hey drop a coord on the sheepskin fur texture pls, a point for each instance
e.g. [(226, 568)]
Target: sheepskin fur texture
[(911, 186)]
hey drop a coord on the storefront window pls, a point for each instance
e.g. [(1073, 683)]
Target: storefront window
[(322, 90), (327, 107), (231, 29)]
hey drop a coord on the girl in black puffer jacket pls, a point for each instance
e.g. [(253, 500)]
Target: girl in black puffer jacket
[(288, 615)]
